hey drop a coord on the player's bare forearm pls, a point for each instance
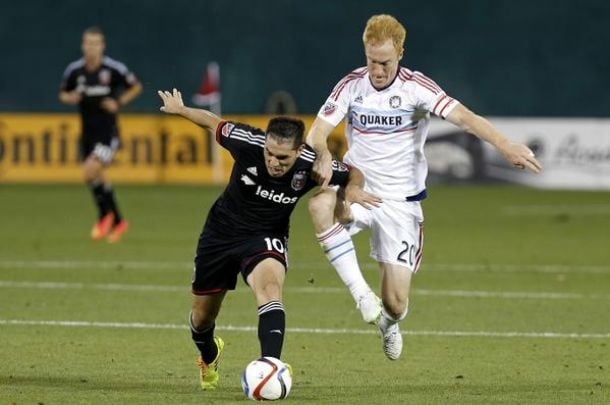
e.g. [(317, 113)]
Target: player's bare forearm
[(318, 136), (516, 153), (354, 190), (317, 139), (477, 126), (69, 97), (200, 117), (130, 94), (173, 104)]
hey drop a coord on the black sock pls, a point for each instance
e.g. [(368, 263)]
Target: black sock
[(99, 196), (204, 340), (111, 202), (271, 326)]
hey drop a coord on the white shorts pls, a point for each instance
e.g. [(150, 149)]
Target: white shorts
[(104, 153), (397, 231)]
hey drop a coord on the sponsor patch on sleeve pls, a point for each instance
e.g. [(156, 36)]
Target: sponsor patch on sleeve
[(227, 129), (329, 108)]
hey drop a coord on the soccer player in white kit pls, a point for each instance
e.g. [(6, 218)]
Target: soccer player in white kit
[(387, 108)]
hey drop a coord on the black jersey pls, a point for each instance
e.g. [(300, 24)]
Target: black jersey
[(254, 202), (108, 80)]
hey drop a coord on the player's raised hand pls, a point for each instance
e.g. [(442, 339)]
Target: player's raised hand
[(172, 101), (522, 157)]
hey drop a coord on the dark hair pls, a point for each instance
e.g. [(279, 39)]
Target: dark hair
[(287, 129), (95, 30)]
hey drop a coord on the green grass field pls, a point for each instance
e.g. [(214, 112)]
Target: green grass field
[(511, 305)]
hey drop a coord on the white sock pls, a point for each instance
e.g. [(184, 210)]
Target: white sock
[(339, 250), (388, 320)]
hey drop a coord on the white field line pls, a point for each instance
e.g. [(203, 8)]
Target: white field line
[(252, 329), (302, 290), (305, 264)]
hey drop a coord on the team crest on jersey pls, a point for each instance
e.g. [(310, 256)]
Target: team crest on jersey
[(329, 108), (298, 180), (104, 77), (395, 101), (226, 129)]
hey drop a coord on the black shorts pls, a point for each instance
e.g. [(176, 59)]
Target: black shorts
[(108, 139), (219, 260)]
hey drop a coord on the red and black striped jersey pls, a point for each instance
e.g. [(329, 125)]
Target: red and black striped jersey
[(255, 202)]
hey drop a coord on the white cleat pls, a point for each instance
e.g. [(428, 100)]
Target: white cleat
[(370, 307), (392, 342)]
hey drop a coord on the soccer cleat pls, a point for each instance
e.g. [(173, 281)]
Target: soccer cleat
[(118, 231), (369, 305), (102, 227), (209, 372), (392, 342)]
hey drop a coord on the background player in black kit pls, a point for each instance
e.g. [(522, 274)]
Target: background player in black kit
[(246, 230), (100, 86)]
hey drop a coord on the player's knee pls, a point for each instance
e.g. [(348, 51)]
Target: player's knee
[(270, 291), (90, 174), (322, 204)]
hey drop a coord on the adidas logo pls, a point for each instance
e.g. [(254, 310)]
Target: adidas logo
[(252, 170), (247, 180), (358, 100)]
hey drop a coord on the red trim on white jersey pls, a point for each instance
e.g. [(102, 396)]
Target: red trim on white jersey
[(381, 133), (420, 251), (419, 78), (450, 102), (356, 74), (442, 104)]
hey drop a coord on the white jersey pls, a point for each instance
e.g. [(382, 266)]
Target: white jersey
[(386, 129)]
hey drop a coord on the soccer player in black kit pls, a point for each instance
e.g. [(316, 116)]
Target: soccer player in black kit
[(246, 231), (100, 86)]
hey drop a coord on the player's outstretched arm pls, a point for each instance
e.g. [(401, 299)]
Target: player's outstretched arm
[(518, 154), (173, 104), (317, 139)]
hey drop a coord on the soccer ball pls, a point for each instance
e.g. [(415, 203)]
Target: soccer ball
[(266, 379)]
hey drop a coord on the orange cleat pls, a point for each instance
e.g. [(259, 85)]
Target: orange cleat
[(118, 231), (102, 227)]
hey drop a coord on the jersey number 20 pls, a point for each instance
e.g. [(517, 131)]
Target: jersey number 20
[(407, 254)]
